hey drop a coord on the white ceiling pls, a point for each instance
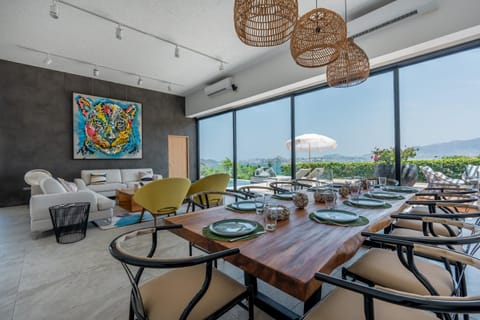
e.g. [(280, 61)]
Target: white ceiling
[(204, 25)]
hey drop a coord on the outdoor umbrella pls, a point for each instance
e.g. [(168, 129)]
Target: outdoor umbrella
[(312, 142)]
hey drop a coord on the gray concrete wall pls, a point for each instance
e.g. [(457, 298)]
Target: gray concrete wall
[(36, 126)]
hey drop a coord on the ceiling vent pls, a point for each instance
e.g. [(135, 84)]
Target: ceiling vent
[(220, 86), (389, 14)]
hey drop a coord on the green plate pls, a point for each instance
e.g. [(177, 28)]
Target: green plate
[(336, 215), (405, 189), (233, 227), (245, 205), (384, 195), (363, 202)]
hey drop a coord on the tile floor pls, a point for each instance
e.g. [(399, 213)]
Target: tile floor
[(40, 279)]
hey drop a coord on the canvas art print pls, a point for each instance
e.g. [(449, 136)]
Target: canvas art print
[(105, 128)]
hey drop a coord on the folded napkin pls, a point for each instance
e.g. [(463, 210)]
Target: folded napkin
[(209, 234), (350, 204), (361, 221)]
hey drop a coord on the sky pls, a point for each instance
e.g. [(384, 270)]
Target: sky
[(438, 100)]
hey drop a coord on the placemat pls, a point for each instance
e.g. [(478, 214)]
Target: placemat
[(361, 221), (348, 203), (229, 207), (392, 197), (209, 234)]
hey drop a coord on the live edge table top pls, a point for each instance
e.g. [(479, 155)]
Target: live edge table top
[(289, 257)]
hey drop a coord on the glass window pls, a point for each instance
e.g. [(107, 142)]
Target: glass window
[(216, 144), (359, 119), (262, 132), (439, 111)]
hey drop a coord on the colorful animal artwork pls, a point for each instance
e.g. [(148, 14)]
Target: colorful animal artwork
[(104, 128)]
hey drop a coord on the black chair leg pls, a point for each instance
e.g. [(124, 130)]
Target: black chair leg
[(251, 298), (190, 249)]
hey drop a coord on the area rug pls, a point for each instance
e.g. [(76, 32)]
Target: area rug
[(122, 218)]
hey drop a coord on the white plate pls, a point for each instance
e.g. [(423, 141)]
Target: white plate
[(233, 227), (336, 215)]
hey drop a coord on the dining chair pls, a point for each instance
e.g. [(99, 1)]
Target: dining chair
[(287, 186), (255, 190), (400, 269), (191, 289), (209, 199), (356, 301), (162, 197), (214, 182)]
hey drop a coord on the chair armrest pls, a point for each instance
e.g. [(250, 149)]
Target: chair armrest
[(157, 177), (80, 184), (42, 202), (431, 303)]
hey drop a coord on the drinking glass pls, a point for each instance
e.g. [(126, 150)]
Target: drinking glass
[(270, 216), (370, 185), (330, 199), (356, 188), (259, 203), (382, 181)]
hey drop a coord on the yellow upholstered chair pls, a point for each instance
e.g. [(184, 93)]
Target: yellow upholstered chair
[(215, 182), (161, 197)]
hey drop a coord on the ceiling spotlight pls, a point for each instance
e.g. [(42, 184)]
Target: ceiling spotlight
[(221, 66), (96, 72), (119, 32), (177, 52), (169, 87), (54, 9), (139, 81), (47, 61)]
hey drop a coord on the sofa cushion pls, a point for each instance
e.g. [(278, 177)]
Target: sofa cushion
[(107, 187), (133, 174), (50, 186), (113, 175), (103, 203)]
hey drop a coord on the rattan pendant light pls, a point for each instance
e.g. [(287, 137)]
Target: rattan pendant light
[(317, 38), (265, 23), (352, 66)]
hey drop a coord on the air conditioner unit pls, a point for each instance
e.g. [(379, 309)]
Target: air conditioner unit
[(389, 14), (220, 86)]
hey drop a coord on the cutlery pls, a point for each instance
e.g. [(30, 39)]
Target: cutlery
[(246, 236)]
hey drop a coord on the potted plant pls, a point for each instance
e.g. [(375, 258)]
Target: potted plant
[(385, 164)]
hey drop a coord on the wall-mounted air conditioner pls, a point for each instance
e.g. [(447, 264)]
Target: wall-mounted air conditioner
[(389, 14), (220, 86)]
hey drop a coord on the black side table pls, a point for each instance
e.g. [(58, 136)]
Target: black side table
[(70, 221)]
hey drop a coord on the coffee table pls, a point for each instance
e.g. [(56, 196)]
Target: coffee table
[(125, 200)]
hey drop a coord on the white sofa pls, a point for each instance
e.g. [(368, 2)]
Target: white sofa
[(116, 179), (53, 193)]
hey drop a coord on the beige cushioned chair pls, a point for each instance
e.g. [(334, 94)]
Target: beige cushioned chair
[(192, 289)]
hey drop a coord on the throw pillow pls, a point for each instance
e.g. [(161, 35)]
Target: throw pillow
[(69, 186), (145, 176), (98, 178)]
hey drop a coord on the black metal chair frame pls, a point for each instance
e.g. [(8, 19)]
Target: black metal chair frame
[(277, 186), (248, 190), (404, 247), (441, 307), (126, 259), (201, 200)]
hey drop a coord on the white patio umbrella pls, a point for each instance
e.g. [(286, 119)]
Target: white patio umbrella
[(312, 142)]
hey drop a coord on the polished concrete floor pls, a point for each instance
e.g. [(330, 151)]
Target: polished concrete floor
[(40, 279)]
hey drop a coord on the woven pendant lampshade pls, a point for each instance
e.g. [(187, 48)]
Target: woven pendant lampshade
[(265, 23), (351, 67), (317, 38)]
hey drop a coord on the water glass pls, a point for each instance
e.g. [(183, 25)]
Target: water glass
[(382, 181), (330, 199), (259, 203), (370, 185), (270, 217), (356, 189)]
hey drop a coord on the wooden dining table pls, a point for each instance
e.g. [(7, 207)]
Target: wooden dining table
[(289, 257)]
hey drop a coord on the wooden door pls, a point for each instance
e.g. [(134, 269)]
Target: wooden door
[(178, 156)]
